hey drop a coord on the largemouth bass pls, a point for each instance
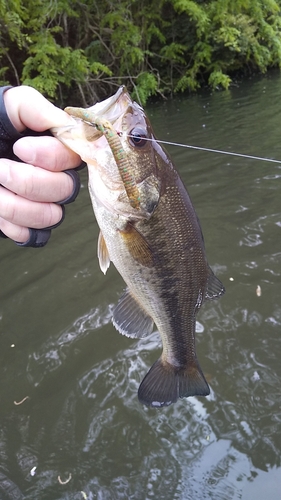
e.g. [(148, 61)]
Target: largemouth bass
[(151, 233)]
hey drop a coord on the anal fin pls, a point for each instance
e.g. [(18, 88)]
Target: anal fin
[(130, 319)]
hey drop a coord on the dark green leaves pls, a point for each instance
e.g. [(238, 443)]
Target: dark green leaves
[(77, 52)]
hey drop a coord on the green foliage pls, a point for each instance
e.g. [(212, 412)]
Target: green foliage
[(230, 36), (80, 52), (49, 64), (145, 86), (219, 79)]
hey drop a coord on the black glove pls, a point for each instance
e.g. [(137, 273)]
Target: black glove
[(40, 237)]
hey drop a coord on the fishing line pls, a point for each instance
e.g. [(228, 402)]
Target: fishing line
[(209, 150)]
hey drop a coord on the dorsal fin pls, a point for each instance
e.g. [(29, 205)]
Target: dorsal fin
[(215, 288), (130, 319)]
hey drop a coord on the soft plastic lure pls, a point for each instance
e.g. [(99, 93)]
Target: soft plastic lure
[(114, 142)]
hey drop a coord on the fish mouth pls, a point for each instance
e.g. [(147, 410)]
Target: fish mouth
[(110, 109), (113, 107)]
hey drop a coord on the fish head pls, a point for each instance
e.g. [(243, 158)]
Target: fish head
[(133, 134), (81, 134)]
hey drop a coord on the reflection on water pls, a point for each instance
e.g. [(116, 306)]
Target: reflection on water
[(82, 432)]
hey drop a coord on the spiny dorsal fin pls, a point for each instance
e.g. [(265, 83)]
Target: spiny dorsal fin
[(215, 288), (103, 255), (130, 319), (165, 383)]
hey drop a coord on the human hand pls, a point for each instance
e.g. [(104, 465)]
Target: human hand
[(31, 190)]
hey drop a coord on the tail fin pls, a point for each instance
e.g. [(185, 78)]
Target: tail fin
[(165, 383)]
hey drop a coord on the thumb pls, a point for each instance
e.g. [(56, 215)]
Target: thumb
[(27, 108)]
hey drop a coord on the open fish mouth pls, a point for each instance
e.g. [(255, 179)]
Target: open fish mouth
[(110, 109)]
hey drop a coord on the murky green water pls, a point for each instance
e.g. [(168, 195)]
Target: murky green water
[(59, 348)]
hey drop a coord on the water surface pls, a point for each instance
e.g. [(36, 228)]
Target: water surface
[(83, 421)]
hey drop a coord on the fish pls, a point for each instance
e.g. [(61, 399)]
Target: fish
[(151, 233)]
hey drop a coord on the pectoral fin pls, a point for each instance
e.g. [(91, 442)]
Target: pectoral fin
[(130, 319), (215, 288), (137, 246), (103, 255)]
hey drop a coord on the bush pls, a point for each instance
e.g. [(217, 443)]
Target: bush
[(76, 53)]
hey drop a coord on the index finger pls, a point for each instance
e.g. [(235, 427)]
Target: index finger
[(46, 152)]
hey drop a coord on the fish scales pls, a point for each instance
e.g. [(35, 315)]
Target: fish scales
[(156, 245)]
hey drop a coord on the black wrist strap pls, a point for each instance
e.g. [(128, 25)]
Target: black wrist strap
[(37, 238), (76, 186)]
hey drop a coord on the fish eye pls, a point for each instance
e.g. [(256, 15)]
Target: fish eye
[(137, 137)]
